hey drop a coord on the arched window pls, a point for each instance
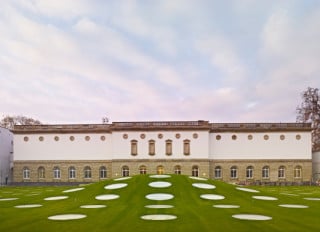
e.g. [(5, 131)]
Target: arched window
[(168, 147), (72, 172), (152, 147), (177, 169), (56, 173), (195, 170), (125, 171), (26, 173), (160, 170), (143, 169), (87, 172), (249, 172), (41, 173), (103, 172), (234, 172), (265, 172), (134, 147), (297, 172), (186, 147), (217, 172), (281, 172)]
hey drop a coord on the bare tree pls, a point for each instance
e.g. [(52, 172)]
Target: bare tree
[(9, 121), (309, 111)]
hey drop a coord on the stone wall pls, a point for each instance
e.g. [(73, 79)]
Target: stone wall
[(64, 166), (241, 165), (205, 168)]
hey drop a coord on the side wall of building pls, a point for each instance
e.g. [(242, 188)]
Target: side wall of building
[(6, 144)]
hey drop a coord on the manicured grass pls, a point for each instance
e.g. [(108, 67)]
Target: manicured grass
[(193, 213)]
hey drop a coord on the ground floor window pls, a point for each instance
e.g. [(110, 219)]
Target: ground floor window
[(87, 172), (265, 172), (234, 172), (249, 172), (41, 173), (72, 173), (125, 171), (281, 172), (297, 172), (143, 169), (195, 171), (26, 173), (160, 170), (217, 172), (103, 172), (177, 169), (56, 173)]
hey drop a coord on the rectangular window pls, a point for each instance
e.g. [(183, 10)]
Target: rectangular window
[(186, 147), (168, 147), (152, 149), (134, 147)]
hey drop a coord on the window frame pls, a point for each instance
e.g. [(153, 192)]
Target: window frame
[(87, 172), (265, 172), (103, 172), (234, 172)]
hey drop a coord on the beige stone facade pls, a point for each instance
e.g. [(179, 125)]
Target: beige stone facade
[(201, 168)]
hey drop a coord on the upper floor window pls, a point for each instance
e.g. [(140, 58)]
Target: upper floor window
[(168, 147), (152, 147), (186, 147), (134, 147)]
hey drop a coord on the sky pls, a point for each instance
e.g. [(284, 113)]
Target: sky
[(78, 61)]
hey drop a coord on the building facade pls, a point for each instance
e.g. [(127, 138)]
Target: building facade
[(6, 150), (231, 152)]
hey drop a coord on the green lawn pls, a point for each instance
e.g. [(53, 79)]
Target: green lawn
[(193, 213)]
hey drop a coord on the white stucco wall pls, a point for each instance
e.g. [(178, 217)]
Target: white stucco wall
[(6, 138), (64, 149), (259, 148), (204, 146), (199, 147)]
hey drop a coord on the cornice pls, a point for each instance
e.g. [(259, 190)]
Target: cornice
[(161, 126)]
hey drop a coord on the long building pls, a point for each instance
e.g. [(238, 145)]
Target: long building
[(231, 152)]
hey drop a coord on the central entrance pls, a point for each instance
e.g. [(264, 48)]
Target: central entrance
[(160, 170)]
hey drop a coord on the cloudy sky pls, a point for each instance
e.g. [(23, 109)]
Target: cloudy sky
[(76, 61)]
